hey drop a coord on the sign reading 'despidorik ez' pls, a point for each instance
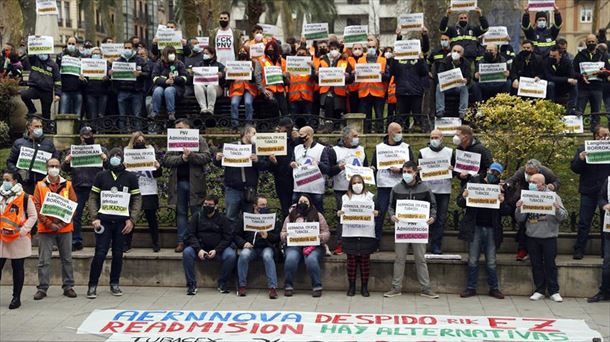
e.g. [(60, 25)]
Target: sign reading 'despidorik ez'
[(411, 22), (303, 233), (355, 34), (411, 232), (574, 124), (469, 162), (114, 203), (412, 210), (40, 45), (391, 156), (140, 159), (331, 77), (531, 88), (271, 144), (179, 139), (235, 155), (357, 212), (238, 70), (538, 202), (598, 151), (447, 125), (363, 171), (298, 65), (368, 72), (54, 205), (86, 155), (259, 222), (407, 49), (483, 195), (315, 31), (26, 155), (434, 169)]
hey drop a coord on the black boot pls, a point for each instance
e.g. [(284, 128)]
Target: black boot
[(351, 291), (364, 291), (15, 303)]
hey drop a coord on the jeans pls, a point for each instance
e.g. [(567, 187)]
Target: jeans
[(486, 90), (71, 102), (182, 207), (317, 199), (235, 204), (284, 193), (153, 228), (605, 287), (544, 271), (436, 228), (588, 205), (440, 99), (206, 96), (18, 266), (112, 235), (45, 250), (338, 204), (557, 91), (227, 258), (96, 106), (594, 97), (82, 196), (45, 97), (419, 251), (247, 255), (312, 264), (383, 202), (300, 107), (130, 103), (248, 101), (408, 104), (367, 104), (169, 94), (483, 241)]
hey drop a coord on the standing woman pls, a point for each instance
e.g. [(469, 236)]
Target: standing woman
[(17, 219), (304, 211), (358, 248), (239, 89)]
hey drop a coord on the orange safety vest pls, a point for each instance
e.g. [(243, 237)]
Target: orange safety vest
[(13, 218), (376, 89), (339, 91), (64, 191), (275, 88), (238, 87), (353, 87), (392, 91), (300, 88)]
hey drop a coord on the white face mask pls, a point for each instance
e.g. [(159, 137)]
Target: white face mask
[(334, 53), (456, 140), (253, 139), (371, 51), (53, 171), (171, 57), (358, 188), (455, 56), (258, 37), (357, 53), (206, 57), (388, 55)]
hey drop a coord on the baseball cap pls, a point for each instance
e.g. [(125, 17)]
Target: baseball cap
[(496, 167)]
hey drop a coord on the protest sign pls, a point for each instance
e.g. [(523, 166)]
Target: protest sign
[(368, 72), (434, 169), (469, 162), (303, 233), (541, 5), (598, 151), (270, 31), (531, 88), (114, 203), (54, 205), (591, 69), (497, 35), (307, 178), (412, 210), (538, 202), (147, 183), (411, 22), (238, 70), (574, 124), (483, 195), (179, 139), (331, 77), (271, 143), (357, 212), (365, 172), (234, 155), (451, 79), (411, 232), (207, 76), (86, 155), (463, 5), (274, 75), (140, 159), (315, 31), (46, 7), (40, 45), (259, 222), (111, 51), (447, 125), (257, 50), (204, 42), (169, 37), (391, 156), (122, 71), (70, 66), (492, 72), (407, 49), (606, 228), (93, 68), (355, 34), (40, 161), (297, 65)]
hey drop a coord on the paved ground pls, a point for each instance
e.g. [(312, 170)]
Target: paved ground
[(56, 318)]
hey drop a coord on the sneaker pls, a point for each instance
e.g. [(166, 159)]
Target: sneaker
[(599, 297), (288, 292), (241, 292), (171, 116), (152, 115), (39, 295), (468, 293), (179, 248), (191, 291), (116, 290), (429, 294), (578, 255), (92, 292), (126, 249), (556, 297), (521, 255), (316, 293), (328, 253), (77, 247), (338, 250), (440, 114), (70, 293), (537, 296), (392, 293), (211, 109), (156, 249), (272, 293), (222, 289), (496, 294)]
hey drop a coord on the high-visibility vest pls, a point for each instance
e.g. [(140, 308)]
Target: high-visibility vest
[(300, 88), (13, 217), (238, 87), (392, 91), (376, 89), (64, 191), (339, 91), (353, 87), (275, 88)]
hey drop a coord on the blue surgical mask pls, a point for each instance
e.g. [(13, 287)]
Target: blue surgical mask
[(407, 177), (43, 57), (115, 161), (196, 49), (397, 137), (533, 187), (541, 24), (435, 143), (71, 48), (96, 56), (87, 52), (37, 132), (127, 54), (7, 186), (355, 141)]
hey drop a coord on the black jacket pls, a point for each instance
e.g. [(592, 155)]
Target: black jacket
[(234, 176), (44, 75), (585, 56), (139, 83), (282, 172), (161, 73), (466, 36), (475, 147), (42, 144), (273, 236), (499, 59), (209, 233), (526, 65), (592, 176), (544, 38), (410, 76), (436, 58), (448, 64), (69, 82), (558, 73), (419, 192)]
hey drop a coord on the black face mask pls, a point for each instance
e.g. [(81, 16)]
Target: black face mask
[(322, 52), (207, 210), (139, 145), (243, 56), (223, 23), (263, 211), (89, 141), (463, 23), (591, 47), (525, 53), (300, 140), (488, 56), (302, 208)]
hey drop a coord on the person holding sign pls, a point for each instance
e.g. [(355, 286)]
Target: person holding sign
[(526, 64), (169, 77), (257, 242), (372, 94), (300, 83), (562, 79), (411, 188), (491, 75), (463, 33), (114, 208), (97, 88), (54, 231), (592, 176), (130, 93), (544, 34), (270, 76), (180, 51), (245, 89), (604, 290), (18, 218), (44, 83), (304, 211), (482, 229), (257, 37), (542, 231), (194, 59), (206, 94), (280, 168), (466, 142), (455, 60), (72, 81), (334, 99)]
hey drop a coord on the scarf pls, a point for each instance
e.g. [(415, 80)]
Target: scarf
[(7, 197)]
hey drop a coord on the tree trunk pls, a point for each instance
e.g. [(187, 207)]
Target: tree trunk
[(596, 14), (190, 18), (255, 9), (28, 8), (204, 12), (12, 19), (89, 9)]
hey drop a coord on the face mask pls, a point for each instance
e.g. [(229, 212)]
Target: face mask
[(263, 210), (89, 141), (302, 208), (253, 139), (397, 138), (7, 186), (591, 47), (96, 56), (407, 177), (358, 188), (207, 210), (492, 179), (322, 52), (115, 161), (53, 172), (171, 57), (463, 23), (357, 53), (223, 23), (355, 141), (37, 132), (258, 37), (206, 57), (456, 140), (435, 143), (388, 55), (243, 56), (196, 49), (533, 187), (43, 57), (334, 53), (371, 52), (455, 56), (127, 54), (71, 48), (300, 140), (444, 44), (87, 52), (139, 145), (541, 24), (488, 56), (527, 177)]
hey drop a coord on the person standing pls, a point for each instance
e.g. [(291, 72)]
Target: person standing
[(71, 85), (279, 166), (44, 83), (274, 93), (53, 231), (604, 290), (465, 141), (543, 35), (225, 39), (455, 60), (464, 34)]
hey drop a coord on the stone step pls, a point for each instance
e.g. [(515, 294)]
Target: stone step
[(142, 267)]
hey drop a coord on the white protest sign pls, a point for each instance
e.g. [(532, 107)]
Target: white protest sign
[(606, 227), (307, 178), (315, 31), (451, 79), (273, 75), (411, 22), (257, 50), (114, 203), (434, 169), (298, 65), (331, 77), (303, 233), (205, 76), (357, 212), (270, 31), (70, 66), (591, 69), (259, 222), (54, 205), (365, 172), (391, 156), (111, 51), (531, 88), (40, 161), (161, 27), (463, 5), (469, 162), (271, 143), (407, 49), (574, 124), (169, 37), (355, 34), (492, 72), (46, 7), (204, 42), (140, 159), (497, 35), (178, 139), (238, 70), (93, 68), (122, 71), (541, 5), (40, 45), (368, 72), (86, 155), (147, 183), (447, 125), (412, 210), (598, 151), (411, 232), (483, 195), (235, 155), (538, 202)]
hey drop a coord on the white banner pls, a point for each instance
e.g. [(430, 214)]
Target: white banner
[(298, 65), (147, 183), (492, 72), (257, 50), (307, 178), (238, 70), (391, 156), (497, 35), (70, 66), (274, 75), (40, 45), (591, 69), (447, 125), (111, 51), (469, 162), (86, 155), (411, 232), (541, 5), (364, 171), (538, 202), (407, 49), (434, 169), (463, 5), (139, 159), (271, 143), (483, 195), (122, 71), (179, 139), (93, 68), (574, 124), (259, 222), (368, 72), (355, 34), (315, 31), (205, 76), (114, 203), (530, 88), (235, 155), (270, 31), (412, 210), (46, 7), (598, 151), (360, 212), (204, 42), (450, 79), (169, 37), (411, 22), (303, 233), (331, 77), (56, 206), (40, 162)]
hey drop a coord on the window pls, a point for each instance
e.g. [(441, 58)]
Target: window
[(586, 15), (357, 20), (67, 14), (387, 25)]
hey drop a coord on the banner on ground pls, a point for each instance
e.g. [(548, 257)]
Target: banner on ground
[(111, 51), (497, 35), (591, 69), (331, 77), (298, 65), (207, 76), (93, 68), (463, 5), (411, 232), (538, 202), (492, 72), (411, 22), (450, 79), (122, 71), (179, 139), (315, 31), (303, 233), (257, 50), (271, 143), (273, 75), (574, 124), (307, 178), (235, 155), (40, 45), (54, 205), (86, 155), (140, 159), (114, 203), (391, 156), (541, 5), (469, 162), (238, 70), (360, 212), (412, 210), (434, 169), (368, 72), (169, 37), (46, 7), (355, 34), (364, 171), (259, 222), (447, 125), (483, 195), (407, 49), (531, 88), (598, 151), (40, 161)]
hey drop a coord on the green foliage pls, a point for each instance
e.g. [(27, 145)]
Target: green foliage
[(8, 89)]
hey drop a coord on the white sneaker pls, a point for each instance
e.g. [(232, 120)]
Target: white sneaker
[(537, 296), (557, 297), (327, 252)]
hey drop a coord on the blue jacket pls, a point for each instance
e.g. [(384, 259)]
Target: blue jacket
[(44, 75)]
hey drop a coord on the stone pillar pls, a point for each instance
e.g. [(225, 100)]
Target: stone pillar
[(355, 120), (66, 128)]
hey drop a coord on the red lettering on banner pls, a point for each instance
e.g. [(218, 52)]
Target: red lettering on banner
[(412, 236), (323, 318), (175, 326), (160, 326), (309, 179), (134, 327), (205, 327), (341, 319), (541, 326), (111, 327), (184, 144), (365, 318), (495, 322), (466, 167), (239, 328)]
